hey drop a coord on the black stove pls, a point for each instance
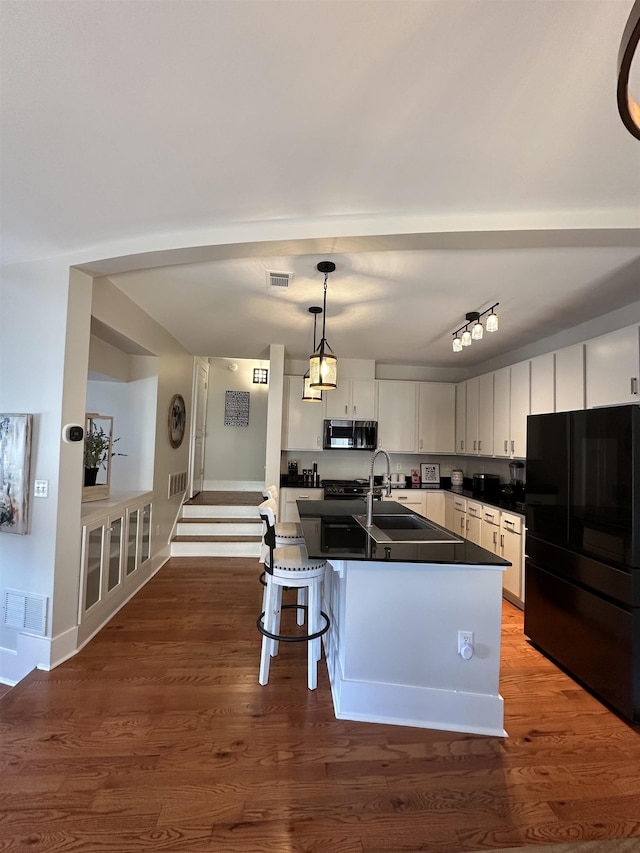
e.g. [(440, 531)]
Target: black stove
[(339, 490)]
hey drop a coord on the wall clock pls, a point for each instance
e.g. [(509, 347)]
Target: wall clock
[(177, 420)]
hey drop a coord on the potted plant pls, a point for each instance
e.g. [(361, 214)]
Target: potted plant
[(97, 450)]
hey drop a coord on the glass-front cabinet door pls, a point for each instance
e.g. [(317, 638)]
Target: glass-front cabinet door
[(116, 551), (145, 544), (92, 556), (132, 540)]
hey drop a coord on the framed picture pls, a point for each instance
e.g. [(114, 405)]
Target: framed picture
[(15, 456), (430, 473)]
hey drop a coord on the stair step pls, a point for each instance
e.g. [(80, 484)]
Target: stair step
[(231, 511), (216, 538), (216, 546), (219, 527)]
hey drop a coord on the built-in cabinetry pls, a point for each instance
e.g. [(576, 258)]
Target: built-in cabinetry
[(473, 522), (353, 399), (288, 511), (414, 499), (569, 378), (479, 415), (512, 549), (301, 422), (613, 368), (436, 417), (116, 542), (459, 522), (435, 506), (543, 384), (397, 416), (461, 417)]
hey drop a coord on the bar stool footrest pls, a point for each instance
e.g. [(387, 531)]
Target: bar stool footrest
[(289, 639)]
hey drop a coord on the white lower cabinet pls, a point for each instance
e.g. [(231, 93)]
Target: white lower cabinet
[(114, 546), (449, 516), (512, 549), (288, 510), (473, 522), (435, 509), (414, 499), (490, 531), (459, 525)]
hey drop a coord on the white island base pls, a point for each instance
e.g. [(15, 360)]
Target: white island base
[(392, 648)]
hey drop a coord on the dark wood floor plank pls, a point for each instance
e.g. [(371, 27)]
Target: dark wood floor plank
[(158, 737)]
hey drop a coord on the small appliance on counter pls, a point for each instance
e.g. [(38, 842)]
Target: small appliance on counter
[(486, 487), (457, 477), (513, 491)]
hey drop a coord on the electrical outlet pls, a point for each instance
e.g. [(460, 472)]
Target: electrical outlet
[(465, 638), (41, 489), (398, 466)]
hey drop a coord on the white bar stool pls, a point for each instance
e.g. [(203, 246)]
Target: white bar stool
[(290, 566), (287, 533)]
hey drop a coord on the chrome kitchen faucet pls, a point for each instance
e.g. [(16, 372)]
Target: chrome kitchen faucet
[(370, 492)]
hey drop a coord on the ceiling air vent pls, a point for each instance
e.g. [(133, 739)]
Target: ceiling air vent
[(279, 280)]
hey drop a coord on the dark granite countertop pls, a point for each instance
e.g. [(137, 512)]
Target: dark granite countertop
[(331, 531)]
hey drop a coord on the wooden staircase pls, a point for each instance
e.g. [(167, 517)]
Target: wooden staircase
[(219, 524)]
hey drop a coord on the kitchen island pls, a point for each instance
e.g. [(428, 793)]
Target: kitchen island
[(396, 609)]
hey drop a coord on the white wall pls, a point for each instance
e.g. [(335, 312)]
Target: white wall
[(235, 454)]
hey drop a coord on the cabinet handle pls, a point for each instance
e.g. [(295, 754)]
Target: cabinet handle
[(461, 445), (634, 384), (401, 498), (479, 446), (513, 447), (466, 527), (495, 537), (355, 410), (501, 540), (474, 444), (506, 446), (346, 410), (421, 444)]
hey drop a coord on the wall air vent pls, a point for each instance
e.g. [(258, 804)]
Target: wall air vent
[(177, 483), (26, 612), (279, 280)]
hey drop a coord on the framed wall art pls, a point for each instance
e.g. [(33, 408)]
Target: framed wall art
[(15, 457), (430, 473)]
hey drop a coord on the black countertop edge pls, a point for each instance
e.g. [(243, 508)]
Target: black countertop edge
[(331, 533)]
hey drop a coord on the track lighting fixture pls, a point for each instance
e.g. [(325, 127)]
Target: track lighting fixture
[(463, 336)]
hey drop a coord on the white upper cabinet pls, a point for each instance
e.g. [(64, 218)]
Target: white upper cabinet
[(613, 368), (461, 417), (485, 415), (519, 408), (511, 407), (543, 384), (302, 422), (397, 416), (570, 378), (353, 399), (436, 417), (502, 412), (471, 419)]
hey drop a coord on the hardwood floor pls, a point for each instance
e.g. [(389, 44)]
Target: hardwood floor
[(158, 737)]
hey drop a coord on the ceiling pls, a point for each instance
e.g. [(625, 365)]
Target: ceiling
[(445, 154)]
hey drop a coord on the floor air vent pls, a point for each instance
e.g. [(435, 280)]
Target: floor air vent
[(26, 612), (177, 483), (279, 280)]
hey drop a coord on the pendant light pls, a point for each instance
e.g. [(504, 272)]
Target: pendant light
[(323, 364), (309, 394)]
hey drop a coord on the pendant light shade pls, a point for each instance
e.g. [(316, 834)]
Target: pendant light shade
[(466, 338), (323, 364), (309, 394), (492, 321)]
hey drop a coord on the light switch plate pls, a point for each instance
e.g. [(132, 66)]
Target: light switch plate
[(41, 489)]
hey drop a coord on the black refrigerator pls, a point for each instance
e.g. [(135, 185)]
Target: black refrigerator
[(582, 569)]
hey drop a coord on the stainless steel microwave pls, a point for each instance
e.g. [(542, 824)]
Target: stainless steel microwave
[(350, 435)]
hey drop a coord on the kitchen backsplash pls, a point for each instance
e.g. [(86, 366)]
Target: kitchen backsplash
[(351, 465)]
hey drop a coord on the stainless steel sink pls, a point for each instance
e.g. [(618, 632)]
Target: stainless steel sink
[(405, 528)]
